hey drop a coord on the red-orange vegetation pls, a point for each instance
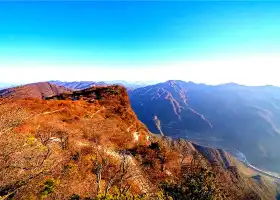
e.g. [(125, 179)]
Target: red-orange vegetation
[(90, 143)]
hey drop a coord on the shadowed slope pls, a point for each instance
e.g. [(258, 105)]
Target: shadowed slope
[(90, 143), (227, 116)]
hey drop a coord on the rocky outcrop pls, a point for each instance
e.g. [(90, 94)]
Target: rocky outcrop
[(80, 143)]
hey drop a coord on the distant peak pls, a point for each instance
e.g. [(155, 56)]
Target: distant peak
[(172, 83)]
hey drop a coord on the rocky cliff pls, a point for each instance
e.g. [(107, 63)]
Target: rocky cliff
[(90, 144)]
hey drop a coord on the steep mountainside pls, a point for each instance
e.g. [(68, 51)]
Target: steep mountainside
[(34, 90), (90, 144), (230, 115), (168, 103)]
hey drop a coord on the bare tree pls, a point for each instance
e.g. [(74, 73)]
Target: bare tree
[(121, 176), (99, 166), (23, 157), (124, 173), (21, 162)]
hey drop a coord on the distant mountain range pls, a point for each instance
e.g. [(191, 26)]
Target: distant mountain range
[(79, 85), (58, 140), (229, 116)]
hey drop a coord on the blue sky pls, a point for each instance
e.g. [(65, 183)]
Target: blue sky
[(211, 42)]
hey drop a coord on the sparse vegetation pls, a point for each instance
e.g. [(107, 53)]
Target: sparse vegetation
[(65, 155), (198, 185), (49, 187)]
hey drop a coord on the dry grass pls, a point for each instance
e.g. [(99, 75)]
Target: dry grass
[(41, 140), (64, 143)]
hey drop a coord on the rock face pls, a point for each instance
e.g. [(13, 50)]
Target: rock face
[(112, 98), (34, 90), (113, 94), (215, 156), (77, 144)]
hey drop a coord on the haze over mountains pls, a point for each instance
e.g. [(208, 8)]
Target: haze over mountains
[(5, 85), (61, 144), (95, 102), (76, 85), (229, 115)]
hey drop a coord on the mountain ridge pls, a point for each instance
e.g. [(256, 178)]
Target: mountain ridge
[(56, 144), (242, 117), (79, 85), (33, 90)]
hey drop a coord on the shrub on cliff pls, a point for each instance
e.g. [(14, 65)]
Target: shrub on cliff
[(199, 185)]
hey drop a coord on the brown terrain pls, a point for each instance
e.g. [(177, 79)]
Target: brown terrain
[(34, 90), (89, 144)]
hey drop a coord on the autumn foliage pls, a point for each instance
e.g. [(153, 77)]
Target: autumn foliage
[(90, 145)]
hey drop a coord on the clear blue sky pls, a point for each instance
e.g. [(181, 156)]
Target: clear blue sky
[(210, 42)]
